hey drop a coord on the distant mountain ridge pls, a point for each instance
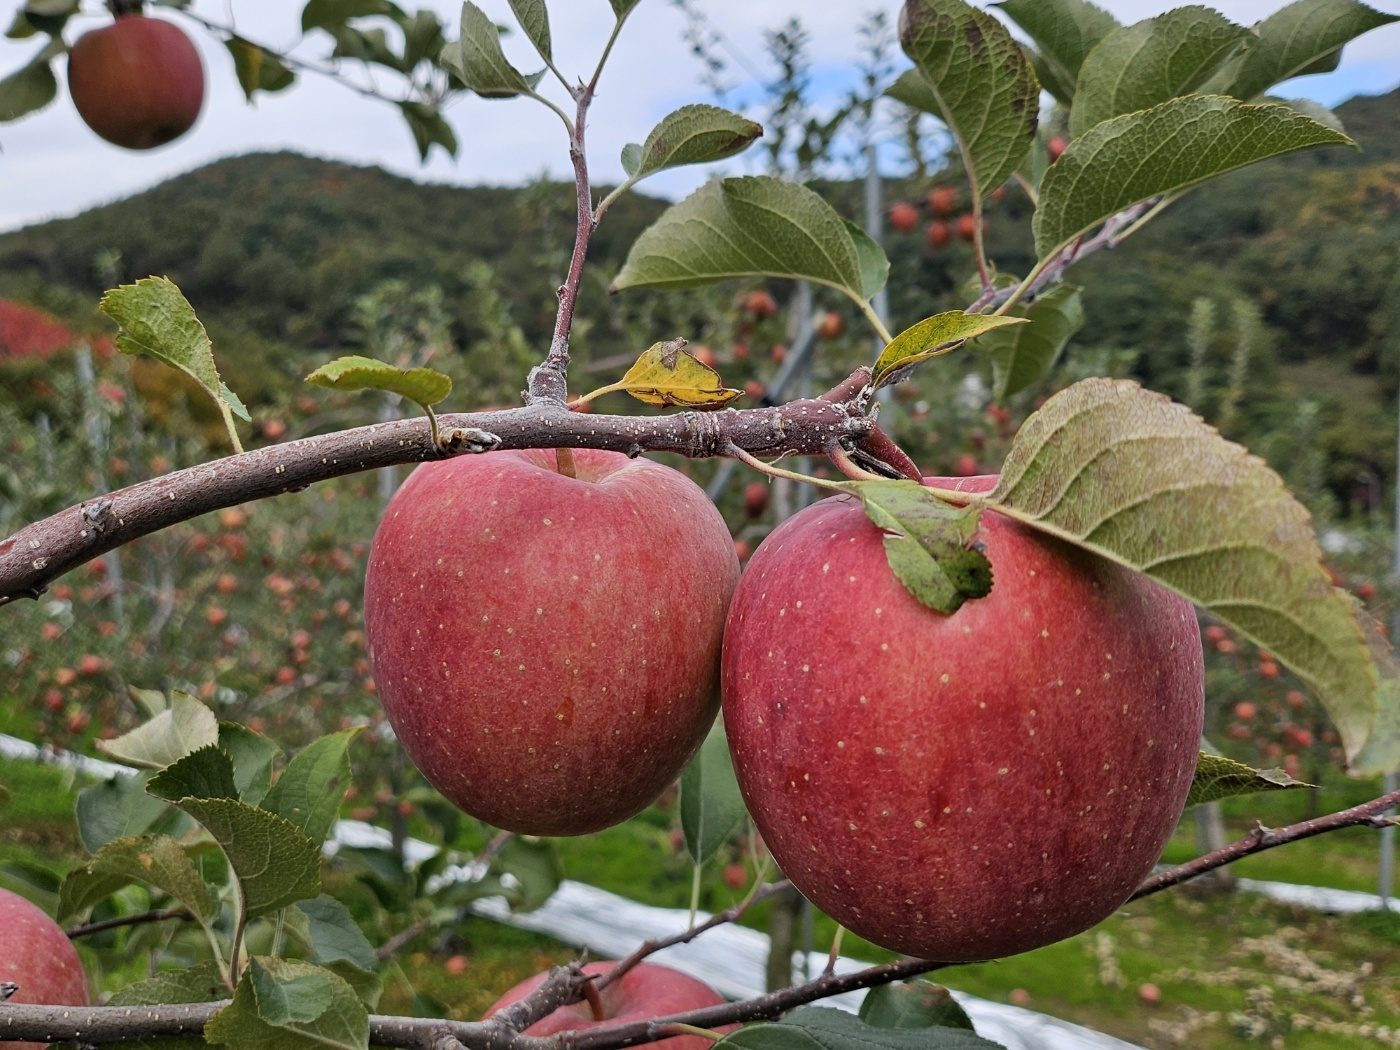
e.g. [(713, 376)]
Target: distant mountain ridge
[(274, 249)]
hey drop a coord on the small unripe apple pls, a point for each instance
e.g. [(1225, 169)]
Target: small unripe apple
[(938, 234), (547, 646), (138, 82), (943, 201), (959, 786), (36, 954), (904, 217)]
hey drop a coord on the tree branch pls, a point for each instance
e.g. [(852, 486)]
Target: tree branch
[(39, 553), (90, 928), (1368, 814), (115, 1024)]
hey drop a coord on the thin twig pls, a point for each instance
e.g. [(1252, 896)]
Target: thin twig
[(654, 945), (89, 928), (1368, 814)]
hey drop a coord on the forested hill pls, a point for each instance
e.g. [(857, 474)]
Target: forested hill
[(275, 249)]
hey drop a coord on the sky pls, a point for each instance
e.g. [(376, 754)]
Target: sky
[(51, 165)]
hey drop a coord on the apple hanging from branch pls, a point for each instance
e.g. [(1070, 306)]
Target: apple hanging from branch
[(959, 786), (138, 83), (36, 955), (545, 645)]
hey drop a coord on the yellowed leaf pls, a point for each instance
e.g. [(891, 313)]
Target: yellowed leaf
[(666, 374)]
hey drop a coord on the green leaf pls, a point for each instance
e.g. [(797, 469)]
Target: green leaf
[(157, 860), (825, 1028), (282, 1004), (756, 226), (310, 789), (30, 88), (985, 87), (429, 129), (912, 1004), (631, 158), (870, 257), (1023, 356), (623, 8), (533, 17), (257, 68), (1138, 66), (477, 60), (276, 863), (365, 45), (423, 38), (1130, 475), (666, 374), (534, 865), (43, 16), (929, 544), (200, 983), (327, 14), (187, 725), (694, 134), (711, 806), (1304, 37), (1218, 777), (204, 773), (1139, 156), (155, 320), (1064, 32), (252, 755), (116, 808), (422, 385), (932, 337), (333, 935)]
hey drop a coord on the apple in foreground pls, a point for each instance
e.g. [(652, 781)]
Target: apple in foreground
[(646, 991), (547, 646), (36, 954), (959, 786), (138, 82)]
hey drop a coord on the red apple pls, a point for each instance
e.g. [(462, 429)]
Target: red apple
[(1056, 147), (965, 786), (647, 990), (904, 217), (943, 201), (547, 646), (967, 227), (831, 325), (36, 954), (760, 304), (755, 498), (138, 82), (938, 234)]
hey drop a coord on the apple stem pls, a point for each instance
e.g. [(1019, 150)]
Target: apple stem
[(835, 952), (595, 1000), (850, 467), (564, 462)]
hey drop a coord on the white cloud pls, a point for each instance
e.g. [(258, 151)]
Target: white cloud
[(51, 165)]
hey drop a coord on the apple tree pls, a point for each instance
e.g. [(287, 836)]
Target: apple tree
[(965, 714)]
